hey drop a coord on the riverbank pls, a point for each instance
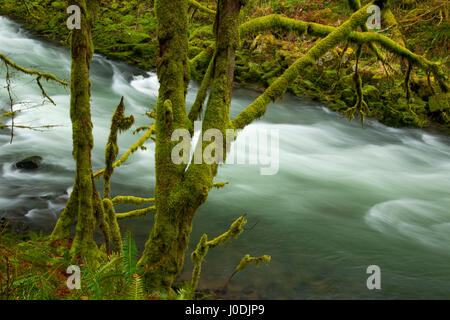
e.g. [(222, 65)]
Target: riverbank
[(126, 31)]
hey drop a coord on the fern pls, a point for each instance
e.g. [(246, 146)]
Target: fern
[(99, 281), (185, 293), (129, 256), (136, 289)]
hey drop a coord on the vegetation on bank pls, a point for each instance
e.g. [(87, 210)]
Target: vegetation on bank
[(34, 267), (126, 30)]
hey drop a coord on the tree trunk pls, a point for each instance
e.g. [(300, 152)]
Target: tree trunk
[(180, 192), (82, 200)]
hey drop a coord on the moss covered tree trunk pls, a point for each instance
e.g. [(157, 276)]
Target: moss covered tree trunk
[(180, 192), (82, 201), (163, 255)]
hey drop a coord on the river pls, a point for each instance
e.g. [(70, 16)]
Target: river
[(344, 198)]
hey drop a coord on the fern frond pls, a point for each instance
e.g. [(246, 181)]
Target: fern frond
[(129, 256), (136, 289)]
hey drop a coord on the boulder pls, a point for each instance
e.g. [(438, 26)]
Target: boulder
[(30, 163)]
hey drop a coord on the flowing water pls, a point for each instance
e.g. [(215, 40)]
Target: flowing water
[(344, 198)]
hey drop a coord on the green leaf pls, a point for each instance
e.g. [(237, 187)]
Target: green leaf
[(129, 255)]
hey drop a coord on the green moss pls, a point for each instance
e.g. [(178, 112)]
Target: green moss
[(200, 252), (136, 213), (82, 202), (279, 87), (439, 102), (248, 260)]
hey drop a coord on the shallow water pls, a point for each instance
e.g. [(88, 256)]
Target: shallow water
[(344, 197)]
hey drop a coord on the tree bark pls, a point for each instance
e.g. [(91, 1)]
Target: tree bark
[(180, 192), (83, 199)]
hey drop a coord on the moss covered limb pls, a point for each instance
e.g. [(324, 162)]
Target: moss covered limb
[(102, 220), (131, 200), (40, 75), (390, 21), (147, 135), (106, 217), (276, 22), (219, 185), (217, 117), (135, 213), (258, 108), (355, 5), (249, 260), (246, 260), (197, 107), (390, 45), (119, 122), (217, 111), (114, 229), (201, 8), (200, 252), (200, 62)]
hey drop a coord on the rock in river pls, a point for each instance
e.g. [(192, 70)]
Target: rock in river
[(30, 163)]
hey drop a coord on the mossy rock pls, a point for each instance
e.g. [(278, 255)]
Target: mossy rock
[(439, 102), (422, 88), (30, 163)]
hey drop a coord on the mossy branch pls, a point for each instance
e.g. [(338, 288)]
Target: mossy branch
[(148, 134), (246, 260), (258, 108), (277, 22), (219, 185), (197, 107), (116, 237), (131, 200), (391, 22), (201, 8), (135, 213), (200, 60), (200, 252), (40, 75), (119, 123), (249, 260), (355, 6)]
